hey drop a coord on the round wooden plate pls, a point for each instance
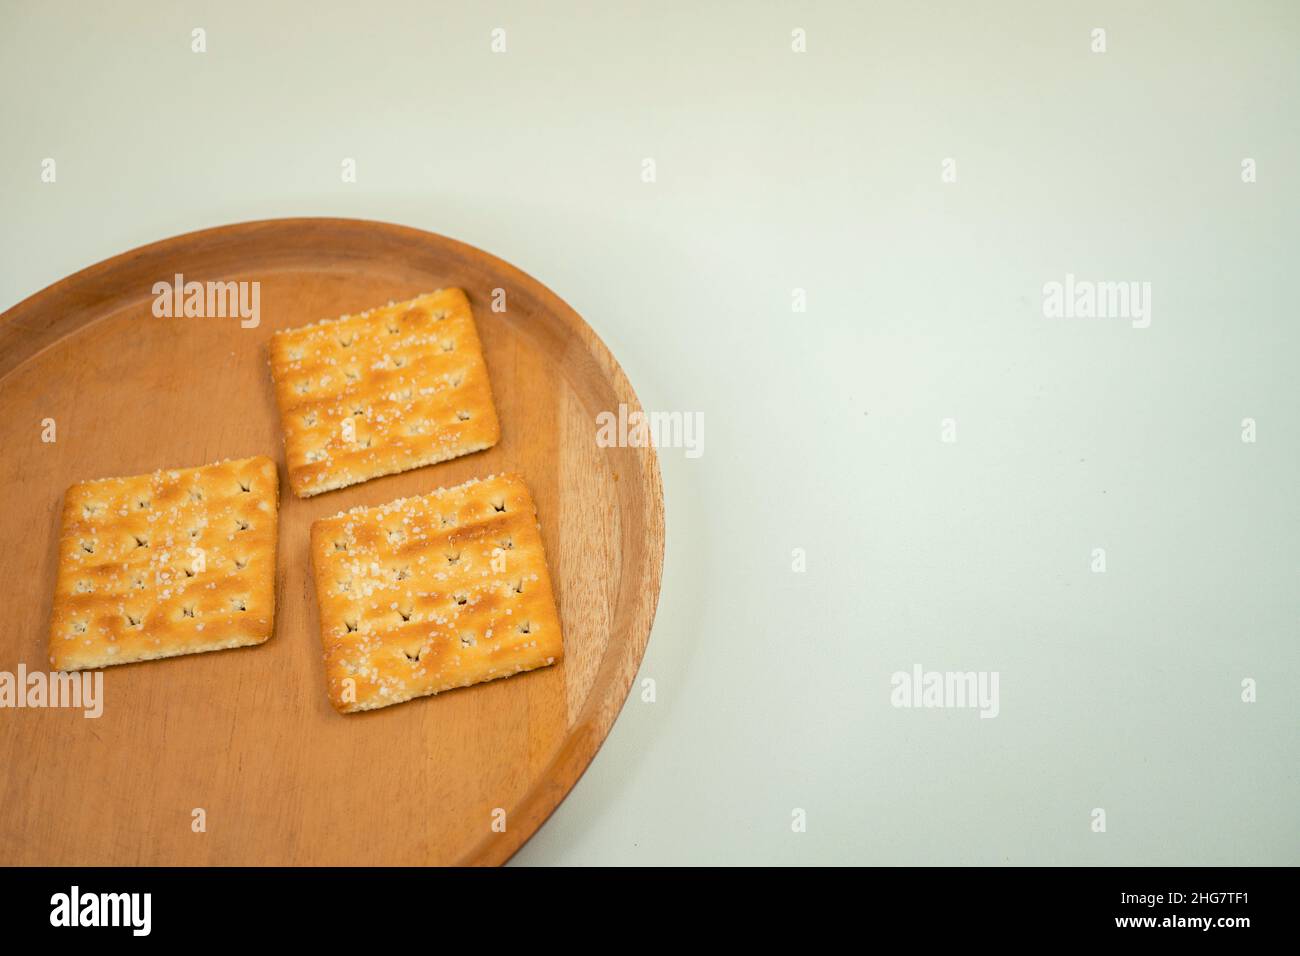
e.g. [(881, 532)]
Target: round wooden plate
[(247, 736)]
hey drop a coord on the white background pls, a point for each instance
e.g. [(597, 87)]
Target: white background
[(822, 171)]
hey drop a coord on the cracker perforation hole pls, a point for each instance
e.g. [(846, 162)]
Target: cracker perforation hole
[(241, 524), (453, 557), (241, 563), (239, 604), (245, 486), (351, 625), (527, 627), (499, 505), (340, 545), (140, 542), (133, 620), (448, 345), (462, 416), (188, 611), (462, 599), (88, 547), (468, 639)]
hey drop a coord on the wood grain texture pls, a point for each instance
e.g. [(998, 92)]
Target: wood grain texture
[(248, 735)]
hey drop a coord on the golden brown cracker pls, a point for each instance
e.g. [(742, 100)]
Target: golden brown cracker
[(428, 593), (384, 391), (175, 562)]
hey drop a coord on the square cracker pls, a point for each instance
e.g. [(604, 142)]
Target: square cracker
[(387, 390), (433, 592), (176, 562)]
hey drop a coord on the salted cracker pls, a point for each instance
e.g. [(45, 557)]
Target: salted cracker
[(175, 562), (428, 593), (381, 392)]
